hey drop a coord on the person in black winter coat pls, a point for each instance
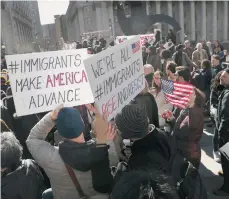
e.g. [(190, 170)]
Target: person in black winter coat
[(206, 69), (157, 38), (139, 184), (147, 142), (144, 55), (222, 124), (20, 178), (171, 36), (216, 90), (216, 65), (146, 99)]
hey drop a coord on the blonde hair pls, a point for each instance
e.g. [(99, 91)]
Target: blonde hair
[(199, 46), (148, 69)]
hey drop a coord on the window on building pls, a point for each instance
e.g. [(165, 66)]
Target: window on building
[(115, 18), (88, 21), (127, 9), (88, 8)]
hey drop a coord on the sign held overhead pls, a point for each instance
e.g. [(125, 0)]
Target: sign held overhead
[(116, 76), (41, 81)]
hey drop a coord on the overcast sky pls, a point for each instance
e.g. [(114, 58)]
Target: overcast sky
[(49, 8)]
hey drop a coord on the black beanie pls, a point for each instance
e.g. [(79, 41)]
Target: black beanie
[(132, 122)]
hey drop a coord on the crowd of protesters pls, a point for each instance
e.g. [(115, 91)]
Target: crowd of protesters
[(151, 149)]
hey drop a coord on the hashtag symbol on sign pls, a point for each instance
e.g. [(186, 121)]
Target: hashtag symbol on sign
[(98, 92), (13, 67)]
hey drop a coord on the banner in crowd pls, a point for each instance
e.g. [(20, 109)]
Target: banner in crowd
[(69, 46), (116, 76), (120, 39), (42, 81)]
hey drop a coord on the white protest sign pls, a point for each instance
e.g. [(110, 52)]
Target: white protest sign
[(116, 76), (120, 39), (42, 81)]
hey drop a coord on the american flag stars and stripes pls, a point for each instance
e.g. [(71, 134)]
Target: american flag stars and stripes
[(177, 93), (136, 46)]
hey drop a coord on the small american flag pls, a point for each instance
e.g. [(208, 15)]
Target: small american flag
[(177, 93), (136, 46)]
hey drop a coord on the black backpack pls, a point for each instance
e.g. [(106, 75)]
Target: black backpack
[(198, 79), (187, 178)]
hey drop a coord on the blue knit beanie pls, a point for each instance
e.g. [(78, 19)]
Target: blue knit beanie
[(69, 123)]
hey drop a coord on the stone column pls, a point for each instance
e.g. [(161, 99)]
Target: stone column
[(214, 21), (98, 15), (158, 11), (204, 20), (225, 25), (181, 16), (81, 20), (105, 16), (111, 16), (193, 20), (170, 11)]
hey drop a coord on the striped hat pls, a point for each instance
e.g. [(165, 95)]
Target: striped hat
[(132, 122)]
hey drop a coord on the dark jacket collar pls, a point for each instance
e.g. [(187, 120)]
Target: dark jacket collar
[(156, 141), (75, 154)]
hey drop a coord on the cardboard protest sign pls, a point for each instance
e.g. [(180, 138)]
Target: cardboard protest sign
[(120, 39), (42, 81), (116, 76)]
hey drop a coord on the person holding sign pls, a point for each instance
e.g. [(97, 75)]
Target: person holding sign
[(78, 156)]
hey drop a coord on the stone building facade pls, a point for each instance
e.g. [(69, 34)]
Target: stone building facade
[(36, 26), (92, 17), (17, 26), (49, 37), (61, 27), (199, 20)]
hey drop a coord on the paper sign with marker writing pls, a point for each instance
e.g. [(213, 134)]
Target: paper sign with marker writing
[(42, 81), (116, 76)]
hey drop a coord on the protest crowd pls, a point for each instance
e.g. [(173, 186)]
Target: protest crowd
[(150, 149)]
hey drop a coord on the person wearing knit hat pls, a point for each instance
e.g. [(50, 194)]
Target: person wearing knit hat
[(69, 123), (133, 122), (73, 156), (146, 143)]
